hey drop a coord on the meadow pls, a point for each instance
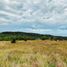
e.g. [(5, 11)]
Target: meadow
[(33, 53)]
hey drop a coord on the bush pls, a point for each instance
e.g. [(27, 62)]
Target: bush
[(13, 41), (25, 39)]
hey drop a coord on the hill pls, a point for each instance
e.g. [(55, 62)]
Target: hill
[(28, 36)]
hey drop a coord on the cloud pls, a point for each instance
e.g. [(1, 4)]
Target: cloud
[(49, 11), (39, 15)]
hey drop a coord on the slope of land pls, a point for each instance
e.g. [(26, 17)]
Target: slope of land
[(28, 36)]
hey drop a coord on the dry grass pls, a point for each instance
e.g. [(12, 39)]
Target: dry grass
[(35, 53)]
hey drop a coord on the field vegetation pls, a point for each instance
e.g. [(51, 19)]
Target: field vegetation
[(33, 53)]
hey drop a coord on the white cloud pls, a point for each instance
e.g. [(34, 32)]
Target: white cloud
[(39, 12), (42, 10)]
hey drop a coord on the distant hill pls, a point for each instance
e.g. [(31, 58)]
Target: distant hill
[(28, 36)]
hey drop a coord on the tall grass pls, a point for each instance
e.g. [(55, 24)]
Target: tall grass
[(36, 53)]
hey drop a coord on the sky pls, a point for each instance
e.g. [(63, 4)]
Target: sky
[(36, 16)]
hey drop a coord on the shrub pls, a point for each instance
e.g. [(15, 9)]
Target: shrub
[(13, 41), (25, 39)]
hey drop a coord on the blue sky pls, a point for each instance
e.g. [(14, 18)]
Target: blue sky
[(37, 16)]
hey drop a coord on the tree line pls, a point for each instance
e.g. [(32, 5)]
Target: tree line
[(8, 36)]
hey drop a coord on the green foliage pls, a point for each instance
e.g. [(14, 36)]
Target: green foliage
[(8, 36)]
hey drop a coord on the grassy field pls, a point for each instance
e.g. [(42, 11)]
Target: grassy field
[(36, 53)]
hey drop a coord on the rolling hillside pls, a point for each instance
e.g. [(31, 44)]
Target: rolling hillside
[(29, 36)]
